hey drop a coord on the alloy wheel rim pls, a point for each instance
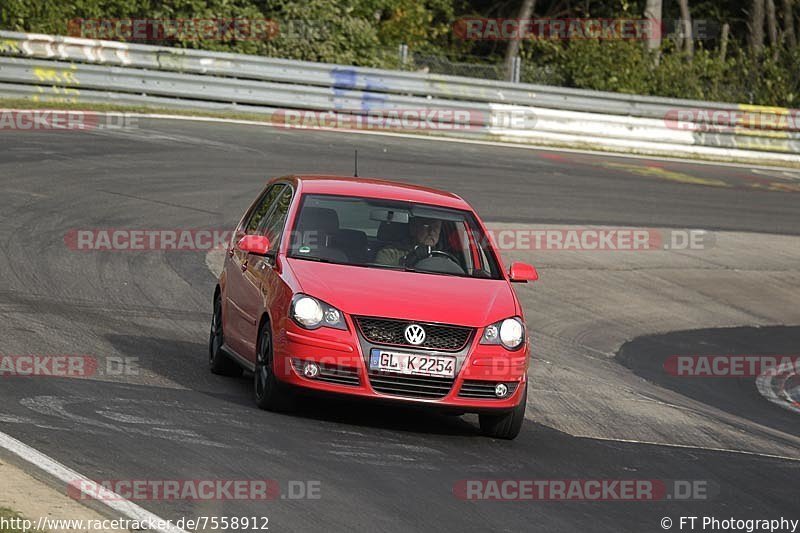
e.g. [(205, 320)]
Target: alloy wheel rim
[(263, 366), (216, 332)]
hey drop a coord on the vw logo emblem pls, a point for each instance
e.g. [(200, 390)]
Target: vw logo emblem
[(415, 334)]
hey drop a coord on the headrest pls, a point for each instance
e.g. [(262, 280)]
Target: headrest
[(320, 219), (393, 232), (351, 237)]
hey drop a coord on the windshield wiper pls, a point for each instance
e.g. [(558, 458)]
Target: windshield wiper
[(383, 265), (313, 258), (412, 269)]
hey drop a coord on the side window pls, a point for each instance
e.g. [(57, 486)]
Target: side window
[(262, 208), (272, 225)]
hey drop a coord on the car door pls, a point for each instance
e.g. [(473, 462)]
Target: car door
[(258, 276), (238, 323), (259, 279)]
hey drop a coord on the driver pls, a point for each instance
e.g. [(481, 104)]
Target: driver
[(424, 232)]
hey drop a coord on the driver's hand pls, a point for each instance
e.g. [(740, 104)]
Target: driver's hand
[(416, 255)]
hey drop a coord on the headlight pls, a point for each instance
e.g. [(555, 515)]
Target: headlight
[(311, 313), (509, 333)]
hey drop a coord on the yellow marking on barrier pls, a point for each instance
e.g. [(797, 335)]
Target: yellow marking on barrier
[(769, 134), (44, 74), (663, 173), (753, 143), (769, 121), (9, 45), (765, 109), (57, 76)]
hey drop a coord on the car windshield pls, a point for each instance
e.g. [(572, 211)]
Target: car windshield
[(378, 233)]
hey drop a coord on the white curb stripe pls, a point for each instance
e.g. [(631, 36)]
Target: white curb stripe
[(79, 482), (772, 386)]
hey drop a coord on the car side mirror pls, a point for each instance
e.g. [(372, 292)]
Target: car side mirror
[(254, 244), (522, 272)]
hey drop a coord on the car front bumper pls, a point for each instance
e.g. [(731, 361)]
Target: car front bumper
[(344, 370)]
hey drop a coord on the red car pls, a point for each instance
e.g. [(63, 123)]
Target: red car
[(373, 289)]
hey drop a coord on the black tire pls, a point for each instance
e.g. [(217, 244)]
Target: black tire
[(505, 426), (269, 393), (218, 361)]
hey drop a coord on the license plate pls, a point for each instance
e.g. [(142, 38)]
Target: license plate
[(408, 363)]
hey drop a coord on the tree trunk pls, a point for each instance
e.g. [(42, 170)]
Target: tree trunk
[(772, 23), (652, 13), (772, 28), (788, 24), (756, 25), (723, 46), (512, 50), (686, 22)]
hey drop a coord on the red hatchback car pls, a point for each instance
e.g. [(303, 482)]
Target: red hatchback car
[(374, 289)]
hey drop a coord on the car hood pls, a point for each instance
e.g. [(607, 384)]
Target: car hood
[(416, 296)]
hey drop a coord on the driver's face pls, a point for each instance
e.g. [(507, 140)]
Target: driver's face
[(426, 231)]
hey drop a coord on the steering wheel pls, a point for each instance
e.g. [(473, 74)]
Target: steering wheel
[(424, 252)]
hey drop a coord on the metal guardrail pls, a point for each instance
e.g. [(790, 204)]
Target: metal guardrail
[(66, 68), (339, 76)]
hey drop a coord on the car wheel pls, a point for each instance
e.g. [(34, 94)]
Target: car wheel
[(269, 392), (218, 361), (505, 426)]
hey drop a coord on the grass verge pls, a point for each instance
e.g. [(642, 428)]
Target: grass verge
[(6, 516)]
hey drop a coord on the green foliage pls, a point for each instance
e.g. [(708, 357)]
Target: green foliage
[(368, 32), (422, 25), (8, 514), (627, 67), (325, 30)]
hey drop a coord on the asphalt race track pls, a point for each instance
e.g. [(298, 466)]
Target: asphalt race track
[(393, 469)]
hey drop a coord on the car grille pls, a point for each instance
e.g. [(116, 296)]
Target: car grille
[(484, 389), (437, 337), (331, 374), (412, 386)]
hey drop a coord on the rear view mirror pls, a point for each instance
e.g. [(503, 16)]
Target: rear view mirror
[(398, 216), (523, 272), (254, 244)]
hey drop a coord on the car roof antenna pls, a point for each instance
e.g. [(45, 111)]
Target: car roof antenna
[(355, 173)]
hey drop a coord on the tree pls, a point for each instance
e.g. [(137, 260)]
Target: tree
[(686, 22), (653, 10), (512, 50), (772, 27), (772, 23), (788, 24), (756, 26)]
